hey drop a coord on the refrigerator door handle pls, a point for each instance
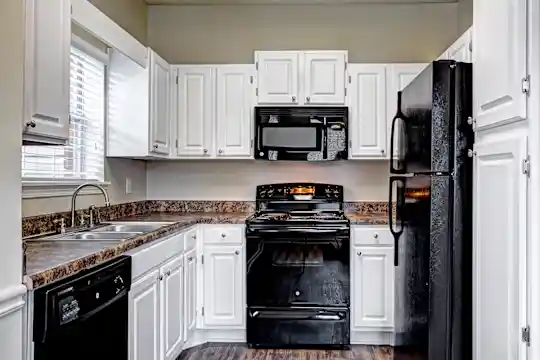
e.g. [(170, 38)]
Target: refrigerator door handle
[(398, 116), (396, 232)]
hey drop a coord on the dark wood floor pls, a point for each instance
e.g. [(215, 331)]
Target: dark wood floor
[(241, 352)]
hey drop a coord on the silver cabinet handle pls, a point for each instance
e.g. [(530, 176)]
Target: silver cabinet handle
[(294, 98), (359, 253), (205, 151), (307, 99), (237, 252), (220, 151), (31, 124), (223, 235)]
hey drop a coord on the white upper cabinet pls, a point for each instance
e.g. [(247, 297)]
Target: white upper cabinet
[(224, 298), (367, 111), (277, 77), (172, 316), (324, 77), (499, 248), (301, 77), (460, 50), (160, 119), (234, 109), (500, 62), (194, 118), (47, 69), (398, 77), (373, 287)]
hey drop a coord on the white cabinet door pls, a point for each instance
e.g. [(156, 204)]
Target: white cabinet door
[(234, 108), (460, 50), (367, 111), (47, 69), (144, 318), (373, 287), (172, 298), (190, 293), (277, 77), (398, 77), (324, 77), (500, 61), (224, 302), (499, 249), (194, 111), (159, 105)]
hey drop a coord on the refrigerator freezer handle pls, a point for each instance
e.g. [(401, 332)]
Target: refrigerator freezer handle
[(395, 233)]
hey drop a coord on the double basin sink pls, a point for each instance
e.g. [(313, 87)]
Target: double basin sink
[(115, 232)]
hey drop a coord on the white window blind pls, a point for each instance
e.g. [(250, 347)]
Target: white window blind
[(83, 157)]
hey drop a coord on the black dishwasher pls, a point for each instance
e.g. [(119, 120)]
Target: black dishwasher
[(84, 316)]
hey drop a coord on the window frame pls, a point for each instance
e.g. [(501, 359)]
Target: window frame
[(53, 188)]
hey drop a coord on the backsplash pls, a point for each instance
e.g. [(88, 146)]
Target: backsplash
[(40, 224)]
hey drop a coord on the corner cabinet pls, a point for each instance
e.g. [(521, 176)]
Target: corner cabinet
[(46, 72), (367, 111), (213, 111), (499, 252), (500, 62), (460, 50), (301, 77), (160, 118)]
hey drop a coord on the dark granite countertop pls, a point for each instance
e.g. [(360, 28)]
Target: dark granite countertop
[(49, 261)]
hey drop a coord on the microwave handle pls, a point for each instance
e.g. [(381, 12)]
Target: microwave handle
[(323, 140)]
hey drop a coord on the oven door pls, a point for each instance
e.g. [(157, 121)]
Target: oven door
[(297, 269)]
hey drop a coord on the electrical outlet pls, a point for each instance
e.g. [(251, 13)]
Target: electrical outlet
[(128, 185)]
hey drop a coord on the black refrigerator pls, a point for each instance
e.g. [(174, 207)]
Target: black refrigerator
[(431, 187)]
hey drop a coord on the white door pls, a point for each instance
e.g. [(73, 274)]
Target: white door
[(224, 303), (500, 61), (194, 111), (144, 318), (190, 293), (277, 77), (499, 249), (367, 111), (234, 108), (47, 71), (373, 287), (172, 307), (159, 105), (398, 77), (324, 77), (461, 49)]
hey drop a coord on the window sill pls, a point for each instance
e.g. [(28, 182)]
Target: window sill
[(49, 189)]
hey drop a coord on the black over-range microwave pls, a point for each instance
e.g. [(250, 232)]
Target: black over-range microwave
[(301, 133)]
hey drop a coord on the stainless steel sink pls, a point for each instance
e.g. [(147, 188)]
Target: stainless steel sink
[(109, 235), (131, 227)]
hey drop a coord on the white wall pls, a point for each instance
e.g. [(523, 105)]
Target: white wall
[(11, 94), (236, 180)]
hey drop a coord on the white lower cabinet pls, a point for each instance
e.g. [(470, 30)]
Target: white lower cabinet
[(224, 299), (190, 293), (172, 309)]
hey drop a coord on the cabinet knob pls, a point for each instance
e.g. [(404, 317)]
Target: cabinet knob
[(237, 252), (382, 151), (155, 146), (31, 124), (169, 273), (359, 253), (223, 235), (220, 151), (307, 99), (194, 237), (190, 258), (205, 151), (375, 236), (294, 98), (160, 277)]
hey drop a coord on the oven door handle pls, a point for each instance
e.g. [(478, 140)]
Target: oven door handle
[(305, 230)]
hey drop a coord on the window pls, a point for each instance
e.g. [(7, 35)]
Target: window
[(83, 157)]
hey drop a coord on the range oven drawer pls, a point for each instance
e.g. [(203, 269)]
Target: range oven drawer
[(291, 327)]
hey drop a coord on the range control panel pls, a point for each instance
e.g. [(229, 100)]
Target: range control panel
[(300, 192)]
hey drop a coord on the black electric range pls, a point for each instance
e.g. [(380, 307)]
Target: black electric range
[(298, 278)]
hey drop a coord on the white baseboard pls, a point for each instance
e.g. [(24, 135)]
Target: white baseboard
[(372, 338)]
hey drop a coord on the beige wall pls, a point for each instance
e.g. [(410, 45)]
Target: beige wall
[(129, 14), (371, 33), (465, 15)]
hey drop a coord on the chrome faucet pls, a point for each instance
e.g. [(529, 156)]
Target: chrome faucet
[(74, 198)]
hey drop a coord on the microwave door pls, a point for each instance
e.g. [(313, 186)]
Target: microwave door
[(290, 142)]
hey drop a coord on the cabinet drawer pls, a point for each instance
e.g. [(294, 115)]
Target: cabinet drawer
[(190, 239), (219, 234), (143, 260), (380, 235)]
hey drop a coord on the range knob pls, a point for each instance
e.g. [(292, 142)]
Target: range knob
[(270, 192), (119, 282)]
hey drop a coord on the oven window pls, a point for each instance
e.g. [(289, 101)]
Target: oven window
[(290, 137)]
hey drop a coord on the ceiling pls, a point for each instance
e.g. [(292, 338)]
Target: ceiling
[(290, 2)]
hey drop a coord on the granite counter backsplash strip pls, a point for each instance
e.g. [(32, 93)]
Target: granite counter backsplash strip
[(40, 224)]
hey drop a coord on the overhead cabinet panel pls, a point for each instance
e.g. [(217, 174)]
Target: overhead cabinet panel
[(324, 77), (159, 105), (277, 77)]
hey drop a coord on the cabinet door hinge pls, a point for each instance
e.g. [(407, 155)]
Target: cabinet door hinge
[(345, 91), (256, 65), (345, 66), (251, 144), (526, 166), (176, 142), (526, 335), (256, 91), (350, 79), (202, 311), (176, 79), (470, 46), (350, 144), (251, 79), (202, 259), (526, 85)]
